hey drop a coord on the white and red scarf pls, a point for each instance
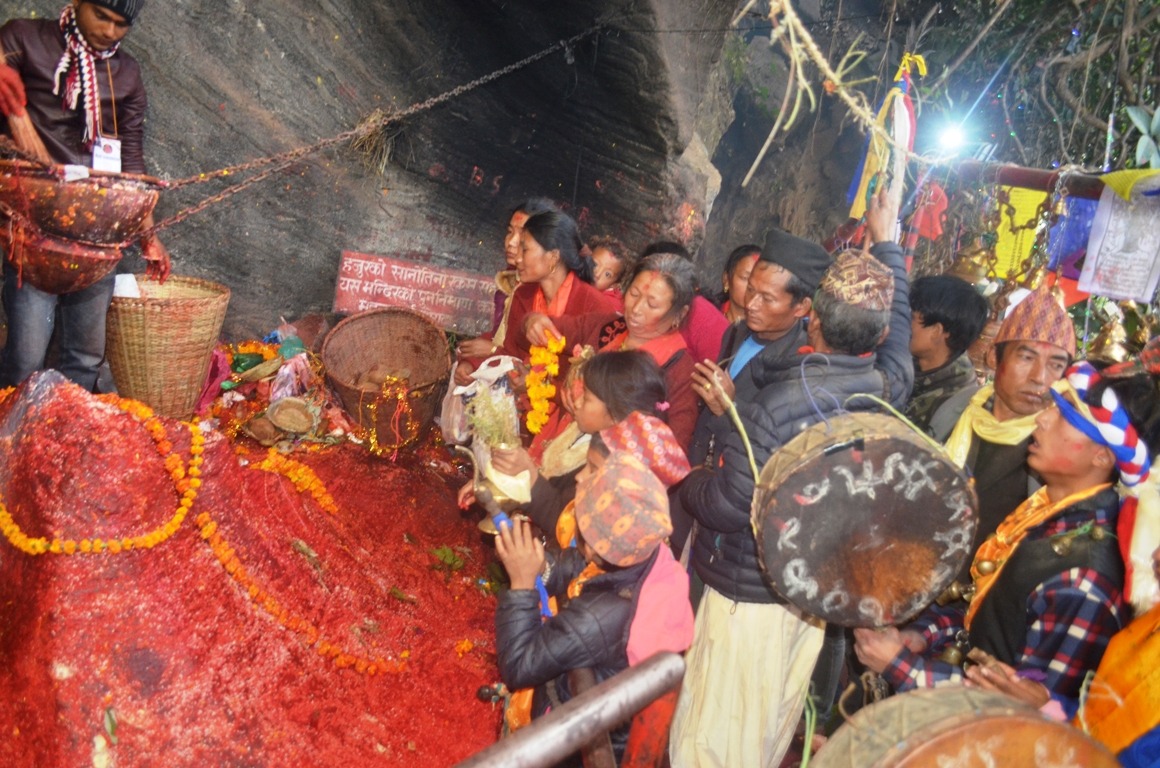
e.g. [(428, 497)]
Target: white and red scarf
[(76, 74)]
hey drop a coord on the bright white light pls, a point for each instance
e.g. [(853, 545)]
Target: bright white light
[(952, 138)]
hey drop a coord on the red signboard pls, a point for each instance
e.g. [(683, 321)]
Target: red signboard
[(454, 300)]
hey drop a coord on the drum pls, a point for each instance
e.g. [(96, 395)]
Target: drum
[(861, 521), (958, 726)]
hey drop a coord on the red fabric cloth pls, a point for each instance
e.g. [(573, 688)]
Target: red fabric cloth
[(704, 329), (582, 300), (616, 296)]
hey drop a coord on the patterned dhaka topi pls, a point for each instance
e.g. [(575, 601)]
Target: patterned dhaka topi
[(1039, 317), (859, 279), (622, 511), (651, 439)]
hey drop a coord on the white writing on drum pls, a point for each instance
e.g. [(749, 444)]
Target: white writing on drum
[(909, 479)]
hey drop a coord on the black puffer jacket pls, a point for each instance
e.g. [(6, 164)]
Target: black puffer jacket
[(590, 631), (712, 429), (725, 551)]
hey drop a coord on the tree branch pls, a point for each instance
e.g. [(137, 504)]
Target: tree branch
[(1122, 59), (971, 47)]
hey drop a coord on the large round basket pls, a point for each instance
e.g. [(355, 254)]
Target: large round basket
[(160, 345), (957, 726), (54, 264), (101, 209), (861, 522), (412, 349)]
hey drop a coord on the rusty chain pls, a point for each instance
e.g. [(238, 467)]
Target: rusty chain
[(283, 160)]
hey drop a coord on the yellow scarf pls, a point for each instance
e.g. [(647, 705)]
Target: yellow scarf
[(977, 420), (1000, 546)]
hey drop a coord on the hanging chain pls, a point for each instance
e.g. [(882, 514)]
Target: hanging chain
[(368, 127), (283, 160)]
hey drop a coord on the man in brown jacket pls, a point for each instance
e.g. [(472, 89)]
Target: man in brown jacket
[(86, 99)]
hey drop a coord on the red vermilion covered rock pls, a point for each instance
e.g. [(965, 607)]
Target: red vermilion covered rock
[(164, 649)]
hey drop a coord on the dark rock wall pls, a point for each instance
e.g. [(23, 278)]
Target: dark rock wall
[(643, 130), (602, 129)]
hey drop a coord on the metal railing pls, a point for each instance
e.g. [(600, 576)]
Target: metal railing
[(581, 720)]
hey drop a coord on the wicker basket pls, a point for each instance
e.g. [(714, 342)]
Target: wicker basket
[(160, 345), (400, 412)]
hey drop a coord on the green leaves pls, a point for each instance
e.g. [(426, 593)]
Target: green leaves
[(449, 559), (1147, 150), (111, 724)]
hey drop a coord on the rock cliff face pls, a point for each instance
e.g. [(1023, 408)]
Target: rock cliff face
[(618, 127), (643, 129)]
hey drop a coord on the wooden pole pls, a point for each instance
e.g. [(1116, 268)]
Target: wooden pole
[(1075, 184)]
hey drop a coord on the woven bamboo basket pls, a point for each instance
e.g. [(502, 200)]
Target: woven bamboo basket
[(160, 345), (400, 411)]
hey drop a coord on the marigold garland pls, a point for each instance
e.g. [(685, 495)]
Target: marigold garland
[(252, 347), (185, 481), (228, 558), (300, 475), (545, 362)]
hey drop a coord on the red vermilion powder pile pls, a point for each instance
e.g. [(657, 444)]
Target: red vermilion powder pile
[(161, 657)]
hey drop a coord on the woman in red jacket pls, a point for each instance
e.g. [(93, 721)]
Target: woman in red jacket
[(554, 281), (660, 289)]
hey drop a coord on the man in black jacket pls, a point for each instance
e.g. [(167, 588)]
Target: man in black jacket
[(752, 655)]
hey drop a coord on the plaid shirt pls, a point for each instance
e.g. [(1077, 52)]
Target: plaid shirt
[(1071, 617)]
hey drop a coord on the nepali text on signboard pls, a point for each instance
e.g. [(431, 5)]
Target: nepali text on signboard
[(454, 300)]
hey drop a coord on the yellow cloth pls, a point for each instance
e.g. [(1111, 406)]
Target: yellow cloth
[(576, 586), (977, 420), (747, 676), (1122, 182), (1012, 247), (1001, 545), (1123, 700)]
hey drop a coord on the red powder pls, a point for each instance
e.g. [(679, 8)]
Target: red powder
[(166, 644)]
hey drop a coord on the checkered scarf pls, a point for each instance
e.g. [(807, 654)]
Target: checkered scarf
[(75, 79)]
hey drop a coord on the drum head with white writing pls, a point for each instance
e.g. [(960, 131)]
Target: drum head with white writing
[(861, 522)]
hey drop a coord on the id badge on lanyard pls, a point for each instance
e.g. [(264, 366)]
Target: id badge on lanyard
[(107, 154)]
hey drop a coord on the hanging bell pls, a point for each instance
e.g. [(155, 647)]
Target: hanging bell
[(986, 567), (953, 655), (1061, 546), (973, 263), (1111, 345), (1099, 534)]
